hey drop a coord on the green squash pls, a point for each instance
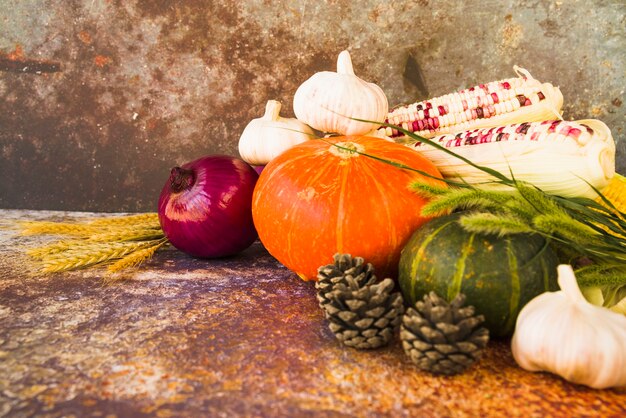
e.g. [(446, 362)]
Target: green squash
[(498, 275)]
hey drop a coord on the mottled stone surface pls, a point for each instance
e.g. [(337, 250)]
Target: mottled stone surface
[(241, 336), (113, 93)]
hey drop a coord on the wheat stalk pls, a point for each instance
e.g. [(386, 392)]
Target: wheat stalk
[(94, 241), (137, 257), (132, 220), (91, 227), (127, 234), (56, 247), (124, 241), (85, 257), (55, 228), (70, 249)]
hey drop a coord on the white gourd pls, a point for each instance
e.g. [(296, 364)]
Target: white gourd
[(265, 138), (562, 333), (330, 101)]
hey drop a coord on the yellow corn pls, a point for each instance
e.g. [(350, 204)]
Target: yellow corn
[(615, 192), (520, 99)]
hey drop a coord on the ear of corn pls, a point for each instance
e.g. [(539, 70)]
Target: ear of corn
[(615, 192), (560, 157), (514, 100)]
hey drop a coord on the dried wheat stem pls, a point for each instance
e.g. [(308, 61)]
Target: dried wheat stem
[(95, 241), (56, 247), (127, 234), (84, 257), (84, 248), (124, 241), (141, 219), (56, 228), (137, 257), (86, 228)]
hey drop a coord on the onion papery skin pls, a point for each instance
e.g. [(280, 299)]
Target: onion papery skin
[(212, 217)]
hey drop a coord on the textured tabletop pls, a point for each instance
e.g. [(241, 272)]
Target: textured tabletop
[(240, 336)]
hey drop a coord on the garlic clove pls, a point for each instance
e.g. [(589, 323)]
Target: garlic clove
[(266, 137), (562, 333), (332, 101)]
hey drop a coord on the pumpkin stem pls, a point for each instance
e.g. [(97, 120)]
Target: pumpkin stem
[(272, 110), (346, 149), (344, 63)]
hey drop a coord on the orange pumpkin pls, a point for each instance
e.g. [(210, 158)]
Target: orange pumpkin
[(321, 197)]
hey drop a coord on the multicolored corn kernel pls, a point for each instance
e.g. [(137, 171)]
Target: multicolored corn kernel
[(472, 107), (550, 130)]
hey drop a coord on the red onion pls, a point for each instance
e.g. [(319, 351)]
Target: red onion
[(205, 208)]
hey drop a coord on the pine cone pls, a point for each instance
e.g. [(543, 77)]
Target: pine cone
[(443, 338), (362, 313), (364, 317), (332, 274)]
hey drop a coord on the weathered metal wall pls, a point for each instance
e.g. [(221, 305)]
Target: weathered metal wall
[(113, 93)]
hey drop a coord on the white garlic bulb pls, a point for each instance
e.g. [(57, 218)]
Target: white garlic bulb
[(331, 101), (265, 138), (562, 333)]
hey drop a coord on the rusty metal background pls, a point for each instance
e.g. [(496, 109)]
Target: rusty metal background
[(99, 98)]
